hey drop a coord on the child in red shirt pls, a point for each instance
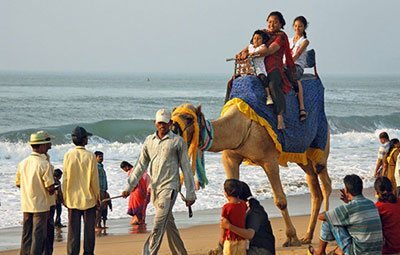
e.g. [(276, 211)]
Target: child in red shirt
[(235, 212), (389, 209)]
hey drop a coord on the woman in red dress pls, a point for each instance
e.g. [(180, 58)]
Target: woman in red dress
[(389, 209), (139, 197), (277, 47)]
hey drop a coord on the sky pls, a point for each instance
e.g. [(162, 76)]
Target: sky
[(189, 36)]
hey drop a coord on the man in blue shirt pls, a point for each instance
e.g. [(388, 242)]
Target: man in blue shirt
[(102, 209)]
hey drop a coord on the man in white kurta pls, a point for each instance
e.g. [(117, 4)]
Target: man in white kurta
[(162, 154)]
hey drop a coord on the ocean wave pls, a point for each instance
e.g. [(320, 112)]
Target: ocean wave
[(124, 131), (136, 130), (340, 125)]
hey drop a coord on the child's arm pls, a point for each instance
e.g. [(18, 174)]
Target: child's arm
[(262, 48), (221, 236), (243, 53)]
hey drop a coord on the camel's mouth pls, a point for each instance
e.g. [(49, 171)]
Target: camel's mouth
[(176, 129)]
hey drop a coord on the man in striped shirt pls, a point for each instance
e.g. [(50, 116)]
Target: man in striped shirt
[(356, 225)]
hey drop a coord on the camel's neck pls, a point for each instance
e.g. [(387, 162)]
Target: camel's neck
[(229, 132)]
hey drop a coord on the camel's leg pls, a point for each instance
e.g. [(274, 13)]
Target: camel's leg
[(322, 170), (326, 186), (272, 171), (231, 162), (316, 200)]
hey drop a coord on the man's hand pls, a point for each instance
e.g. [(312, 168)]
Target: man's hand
[(321, 216), (343, 196), (125, 194), (224, 223), (189, 202)]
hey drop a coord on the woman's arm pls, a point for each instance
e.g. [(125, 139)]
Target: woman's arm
[(243, 53), (246, 233), (266, 51), (301, 49)]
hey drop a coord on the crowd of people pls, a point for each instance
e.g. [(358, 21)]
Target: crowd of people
[(83, 190)]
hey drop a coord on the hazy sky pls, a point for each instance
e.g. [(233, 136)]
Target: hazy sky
[(190, 36)]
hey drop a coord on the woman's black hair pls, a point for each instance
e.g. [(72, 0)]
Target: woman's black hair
[(125, 164), (392, 145), (279, 16), (384, 189), (246, 195), (233, 187), (303, 20), (264, 36)]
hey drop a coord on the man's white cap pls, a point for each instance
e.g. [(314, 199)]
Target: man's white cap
[(163, 115)]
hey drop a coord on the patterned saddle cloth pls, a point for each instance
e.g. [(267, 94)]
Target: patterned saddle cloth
[(299, 140)]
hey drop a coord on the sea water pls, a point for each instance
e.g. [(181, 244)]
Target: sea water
[(118, 109)]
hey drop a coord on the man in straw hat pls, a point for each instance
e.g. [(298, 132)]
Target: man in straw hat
[(36, 182), (81, 192), (164, 152)]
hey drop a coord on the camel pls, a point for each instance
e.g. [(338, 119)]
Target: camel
[(240, 138)]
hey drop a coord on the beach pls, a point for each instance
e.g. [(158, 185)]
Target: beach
[(118, 109), (197, 233)]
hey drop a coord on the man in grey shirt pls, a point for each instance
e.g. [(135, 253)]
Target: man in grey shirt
[(162, 154)]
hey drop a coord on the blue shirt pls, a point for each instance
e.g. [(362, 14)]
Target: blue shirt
[(102, 177)]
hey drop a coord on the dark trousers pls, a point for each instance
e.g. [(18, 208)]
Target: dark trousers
[(275, 85), (100, 209), (58, 214), (74, 231), (34, 233), (48, 250)]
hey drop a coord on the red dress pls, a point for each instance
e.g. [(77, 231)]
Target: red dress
[(275, 61), (236, 214), (139, 198), (390, 214)]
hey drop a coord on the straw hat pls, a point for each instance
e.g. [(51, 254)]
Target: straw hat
[(39, 137)]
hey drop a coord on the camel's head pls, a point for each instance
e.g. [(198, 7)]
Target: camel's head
[(186, 120), (189, 122)]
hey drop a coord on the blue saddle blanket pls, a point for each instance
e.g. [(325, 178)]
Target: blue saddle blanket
[(298, 136)]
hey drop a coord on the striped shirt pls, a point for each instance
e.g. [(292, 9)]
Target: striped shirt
[(361, 219), (102, 177)]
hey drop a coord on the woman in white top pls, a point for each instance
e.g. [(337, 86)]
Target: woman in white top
[(298, 47)]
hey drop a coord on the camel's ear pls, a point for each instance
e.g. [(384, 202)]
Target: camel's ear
[(173, 109), (198, 109)]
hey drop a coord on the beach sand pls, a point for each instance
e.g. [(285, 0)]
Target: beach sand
[(199, 239)]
